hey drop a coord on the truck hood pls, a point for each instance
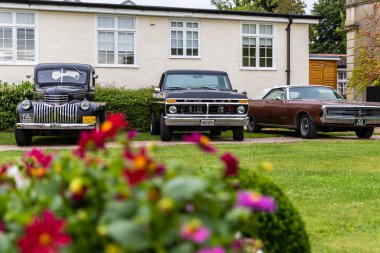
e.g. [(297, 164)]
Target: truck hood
[(62, 90), (202, 94)]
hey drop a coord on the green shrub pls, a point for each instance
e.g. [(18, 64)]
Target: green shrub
[(283, 231), (134, 103), (10, 96)]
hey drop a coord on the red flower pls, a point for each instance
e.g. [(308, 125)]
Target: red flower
[(44, 235), (37, 162), (231, 165), (3, 171), (132, 134), (113, 124), (140, 166), (202, 141)]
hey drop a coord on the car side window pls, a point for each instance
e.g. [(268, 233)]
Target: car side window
[(274, 94)]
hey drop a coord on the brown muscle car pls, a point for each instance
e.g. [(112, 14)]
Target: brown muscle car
[(308, 109)]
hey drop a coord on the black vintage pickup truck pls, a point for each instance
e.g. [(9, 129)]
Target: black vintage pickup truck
[(197, 100)]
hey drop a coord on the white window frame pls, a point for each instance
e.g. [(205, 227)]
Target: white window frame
[(258, 36), (342, 82), (14, 27), (184, 29), (116, 31)]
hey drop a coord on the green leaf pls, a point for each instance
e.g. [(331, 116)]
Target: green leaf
[(128, 234), (184, 188), (4, 243), (116, 210)]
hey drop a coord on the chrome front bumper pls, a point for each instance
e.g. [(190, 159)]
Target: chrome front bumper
[(197, 121), (54, 126), (349, 120)]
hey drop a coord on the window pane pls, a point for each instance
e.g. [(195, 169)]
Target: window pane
[(195, 25), (266, 29), (25, 18), (246, 29), (189, 35), (6, 51), (195, 52), (252, 29), (245, 61), (5, 18), (106, 22), (173, 24), (189, 25), (126, 23), (25, 46)]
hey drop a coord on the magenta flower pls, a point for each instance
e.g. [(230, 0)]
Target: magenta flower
[(2, 227), (256, 201), (212, 250), (195, 232), (202, 141), (39, 157), (132, 134), (231, 164)]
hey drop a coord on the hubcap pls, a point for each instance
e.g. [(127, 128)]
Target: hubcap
[(251, 125), (304, 126)]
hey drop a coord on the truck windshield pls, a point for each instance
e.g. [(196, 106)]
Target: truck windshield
[(197, 81), (70, 76)]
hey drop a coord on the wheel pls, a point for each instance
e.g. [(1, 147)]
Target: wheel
[(252, 126), (364, 133), (238, 133), (165, 131), (154, 126), (307, 128), (215, 132), (23, 137)]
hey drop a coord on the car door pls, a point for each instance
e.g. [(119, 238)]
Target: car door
[(275, 107)]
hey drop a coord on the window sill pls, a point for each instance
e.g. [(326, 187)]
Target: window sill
[(257, 69), (185, 57), (116, 66)]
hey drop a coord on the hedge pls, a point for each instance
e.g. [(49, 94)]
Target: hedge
[(10, 96), (135, 103), (283, 231)]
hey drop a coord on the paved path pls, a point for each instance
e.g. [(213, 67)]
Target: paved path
[(287, 139)]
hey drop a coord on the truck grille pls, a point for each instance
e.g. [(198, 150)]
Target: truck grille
[(223, 109), (355, 112), (56, 99), (207, 109), (192, 109), (44, 113)]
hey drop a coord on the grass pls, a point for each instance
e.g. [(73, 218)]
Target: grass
[(334, 184)]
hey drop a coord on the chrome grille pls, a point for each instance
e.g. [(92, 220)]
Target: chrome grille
[(56, 99), (44, 113), (355, 112), (192, 109)]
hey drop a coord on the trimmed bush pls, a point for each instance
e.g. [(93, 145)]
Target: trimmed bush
[(10, 96), (134, 103), (283, 231)]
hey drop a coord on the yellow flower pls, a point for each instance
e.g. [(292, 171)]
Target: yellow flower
[(165, 205), (267, 166), (76, 186), (101, 230), (112, 248)]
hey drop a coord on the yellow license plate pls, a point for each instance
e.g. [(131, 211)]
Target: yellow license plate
[(89, 119)]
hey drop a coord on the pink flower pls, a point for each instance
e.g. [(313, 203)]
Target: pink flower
[(132, 134), (37, 162), (202, 141), (44, 235), (254, 200), (212, 250), (2, 227), (231, 165), (195, 232)]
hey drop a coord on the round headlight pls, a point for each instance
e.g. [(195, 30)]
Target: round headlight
[(173, 109), (26, 104), (85, 105), (241, 109)]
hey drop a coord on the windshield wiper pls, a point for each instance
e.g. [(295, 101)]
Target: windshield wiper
[(208, 87), (177, 88), (77, 70)]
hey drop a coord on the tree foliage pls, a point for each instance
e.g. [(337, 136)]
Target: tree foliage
[(327, 37), (367, 54), (275, 6)]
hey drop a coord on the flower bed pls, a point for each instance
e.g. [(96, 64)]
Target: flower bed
[(91, 201)]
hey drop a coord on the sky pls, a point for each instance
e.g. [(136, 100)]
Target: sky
[(199, 4)]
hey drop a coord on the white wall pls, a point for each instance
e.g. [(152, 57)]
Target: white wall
[(70, 37)]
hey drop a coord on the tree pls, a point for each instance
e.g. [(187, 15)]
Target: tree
[(367, 54), (275, 6), (328, 37)]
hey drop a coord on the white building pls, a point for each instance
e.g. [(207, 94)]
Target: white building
[(132, 45)]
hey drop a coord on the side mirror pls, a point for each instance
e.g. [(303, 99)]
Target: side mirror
[(156, 90), (279, 99), (28, 76), (244, 92), (95, 76)]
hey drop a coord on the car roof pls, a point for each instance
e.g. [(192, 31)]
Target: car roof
[(298, 86), (195, 71), (85, 67)]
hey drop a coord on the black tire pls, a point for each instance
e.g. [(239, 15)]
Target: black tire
[(252, 126), (165, 131), (154, 126), (306, 127), (215, 132), (23, 137), (364, 133), (238, 133)]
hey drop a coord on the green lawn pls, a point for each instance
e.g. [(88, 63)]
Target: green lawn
[(334, 184)]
